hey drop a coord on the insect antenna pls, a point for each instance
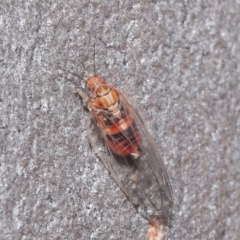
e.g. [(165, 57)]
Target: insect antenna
[(94, 64), (79, 91), (67, 71)]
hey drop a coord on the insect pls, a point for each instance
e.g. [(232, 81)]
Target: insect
[(131, 157), (127, 150)]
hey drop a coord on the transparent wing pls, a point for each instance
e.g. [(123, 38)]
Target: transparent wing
[(144, 180), (151, 153)]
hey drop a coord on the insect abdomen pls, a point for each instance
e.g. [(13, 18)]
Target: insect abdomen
[(124, 142)]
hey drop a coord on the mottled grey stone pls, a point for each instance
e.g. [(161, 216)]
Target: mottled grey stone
[(180, 60)]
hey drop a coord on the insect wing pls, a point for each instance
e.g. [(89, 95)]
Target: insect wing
[(154, 185), (143, 180), (151, 154)]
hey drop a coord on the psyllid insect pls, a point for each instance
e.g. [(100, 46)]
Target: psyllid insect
[(128, 152)]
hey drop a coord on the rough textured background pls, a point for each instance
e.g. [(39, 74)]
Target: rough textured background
[(179, 59)]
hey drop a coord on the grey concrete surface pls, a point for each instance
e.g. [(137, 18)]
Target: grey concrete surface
[(180, 60)]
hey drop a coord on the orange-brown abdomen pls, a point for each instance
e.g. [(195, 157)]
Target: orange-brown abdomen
[(125, 142)]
